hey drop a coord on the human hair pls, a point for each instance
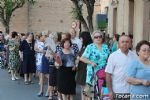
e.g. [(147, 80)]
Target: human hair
[(123, 36), (117, 36), (87, 39), (30, 33), (68, 35), (1, 32), (59, 36), (14, 34), (64, 40), (97, 31), (143, 42)]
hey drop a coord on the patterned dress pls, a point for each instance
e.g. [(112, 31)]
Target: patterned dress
[(14, 54), (40, 45), (97, 56)]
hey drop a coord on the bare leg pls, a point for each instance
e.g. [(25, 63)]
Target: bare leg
[(70, 97), (30, 77), (41, 82), (12, 75), (25, 77), (64, 97)]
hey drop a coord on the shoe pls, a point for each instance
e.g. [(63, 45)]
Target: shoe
[(40, 94), (17, 78), (47, 95), (30, 82), (13, 79), (50, 98), (26, 82)]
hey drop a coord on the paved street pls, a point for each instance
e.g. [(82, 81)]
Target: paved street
[(16, 90)]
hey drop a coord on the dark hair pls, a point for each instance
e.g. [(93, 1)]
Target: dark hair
[(87, 39), (143, 42), (14, 34), (22, 34), (1, 32), (64, 40), (123, 33), (30, 33), (117, 36), (68, 35), (59, 36), (130, 36)]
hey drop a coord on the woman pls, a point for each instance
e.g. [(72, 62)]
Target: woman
[(28, 54), (138, 72), (86, 39), (55, 40), (115, 43), (42, 64), (13, 46), (95, 55), (66, 72)]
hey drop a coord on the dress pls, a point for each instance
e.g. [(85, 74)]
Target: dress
[(28, 57), (66, 76), (97, 56), (45, 64), (39, 45), (14, 54), (138, 70), (81, 73)]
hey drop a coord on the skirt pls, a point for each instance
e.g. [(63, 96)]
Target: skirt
[(52, 75), (66, 81), (45, 65)]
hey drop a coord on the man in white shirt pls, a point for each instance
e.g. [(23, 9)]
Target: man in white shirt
[(116, 69), (75, 39)]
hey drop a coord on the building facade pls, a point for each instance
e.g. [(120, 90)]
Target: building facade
[(53, 15), (131, 17)]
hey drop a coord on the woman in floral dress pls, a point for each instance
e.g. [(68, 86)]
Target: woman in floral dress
[(13, 45)]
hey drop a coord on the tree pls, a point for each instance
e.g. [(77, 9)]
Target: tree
[(7, 7), (77, 13)]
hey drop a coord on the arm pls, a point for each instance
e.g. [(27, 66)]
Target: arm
[(109, 85), (136, 81), (85, 60), (109, 82)]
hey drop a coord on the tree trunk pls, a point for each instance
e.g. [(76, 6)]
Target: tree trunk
[(7, 29), (90, 23)]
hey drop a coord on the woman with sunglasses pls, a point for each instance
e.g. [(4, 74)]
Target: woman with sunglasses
[(138, 72), (95, 55)]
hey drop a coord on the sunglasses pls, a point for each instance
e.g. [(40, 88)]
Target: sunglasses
[(96, 37)]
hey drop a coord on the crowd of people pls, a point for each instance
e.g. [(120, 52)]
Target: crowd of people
[(64, 60)]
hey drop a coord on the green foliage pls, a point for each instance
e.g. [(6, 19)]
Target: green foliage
[(7, 7), (76, 13)]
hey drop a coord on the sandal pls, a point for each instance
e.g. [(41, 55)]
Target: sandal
[(50, 98), (30, 82), (26, 83)]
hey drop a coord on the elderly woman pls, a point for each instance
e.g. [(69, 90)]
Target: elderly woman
[(138, 72), (95, 55), (66, 71)]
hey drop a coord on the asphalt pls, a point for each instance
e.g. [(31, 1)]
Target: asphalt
[(17, 90)]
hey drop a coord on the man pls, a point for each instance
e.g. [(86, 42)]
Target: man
[(116, 69), (75, 39)]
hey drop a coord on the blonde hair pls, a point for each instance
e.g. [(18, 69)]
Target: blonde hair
[(96, 31)]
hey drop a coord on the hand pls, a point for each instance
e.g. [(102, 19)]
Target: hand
[(145, 83), (74, 68), (111, 95), (93, 64)]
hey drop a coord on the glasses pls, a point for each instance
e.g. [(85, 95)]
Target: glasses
[(96, 37), (144, 50)]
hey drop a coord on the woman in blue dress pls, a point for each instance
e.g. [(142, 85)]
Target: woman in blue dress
[(95, 55), (138, 73)]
